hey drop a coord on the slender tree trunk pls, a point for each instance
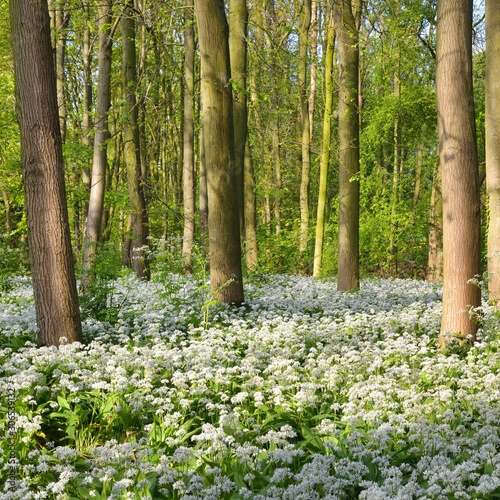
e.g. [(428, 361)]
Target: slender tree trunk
[(348, 237), (435, 259), (93, 225), (132, 145), (325, 147), (61, 22), (238, 33), (226, 281), (459, 169), (493, 145), (251, 253), (305, 23), (8, 219), (418, 178), (188, 138), (54, 284), (313, 69), (393, 241)]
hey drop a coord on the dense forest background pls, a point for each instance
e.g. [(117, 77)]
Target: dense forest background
[(399, 203)]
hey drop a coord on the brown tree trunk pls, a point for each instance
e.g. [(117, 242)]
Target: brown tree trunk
[(54, 284), (459, 169), (238, 33), (348, 237), (250, 212), (132, 145), (226, 281), (435, 258), (188, 139), (493, 145)]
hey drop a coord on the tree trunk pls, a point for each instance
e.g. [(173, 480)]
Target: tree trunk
[(99, 162), (313, 69), (459, 169), (435, 259), (305, 23), (226, 281), (61, 23), (132, 145), (493, 145), (348, 236), (325, 148), (238, 34), (250, 212), (188, 139), (54, 285)]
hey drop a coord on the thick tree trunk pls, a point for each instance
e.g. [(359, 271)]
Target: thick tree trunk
[(305, 22), (61, 23), (54, 285), (93, 225), (226, 281), (493, 145), (348, 235), (188, 139), (325, 147), (459, 169), (132, 146)]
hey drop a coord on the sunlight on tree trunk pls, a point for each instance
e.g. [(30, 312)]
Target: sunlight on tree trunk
[(459, 170), (348, 237), (325, 147), (226, 282), (54, 284), (493, 145)]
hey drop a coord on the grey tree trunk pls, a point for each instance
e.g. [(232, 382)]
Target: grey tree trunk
[(54, 284), (95, 212), (305, 22)]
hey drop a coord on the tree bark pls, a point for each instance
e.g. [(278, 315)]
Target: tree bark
[(435, 256), (305, 22), (54, 284), (459, 169), (325, 147), (226, 281), (250, 225), (188, 139), (131, 145), (238, 34), (493, 145), (93, 225), (348, 235)]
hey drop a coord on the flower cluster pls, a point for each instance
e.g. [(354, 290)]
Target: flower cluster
[(302, 393)]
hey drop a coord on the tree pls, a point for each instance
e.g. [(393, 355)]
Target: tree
[(325, 146), (305, 22), (493, 145), (459, 169), (188, 138), (226, 281), (238, 34), (93, 225), (348, 239), (54, 284), (132, 146)]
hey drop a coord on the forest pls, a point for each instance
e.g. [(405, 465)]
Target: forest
[(250, 249)]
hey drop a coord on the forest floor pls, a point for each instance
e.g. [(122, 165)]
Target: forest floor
[(302, 393)]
